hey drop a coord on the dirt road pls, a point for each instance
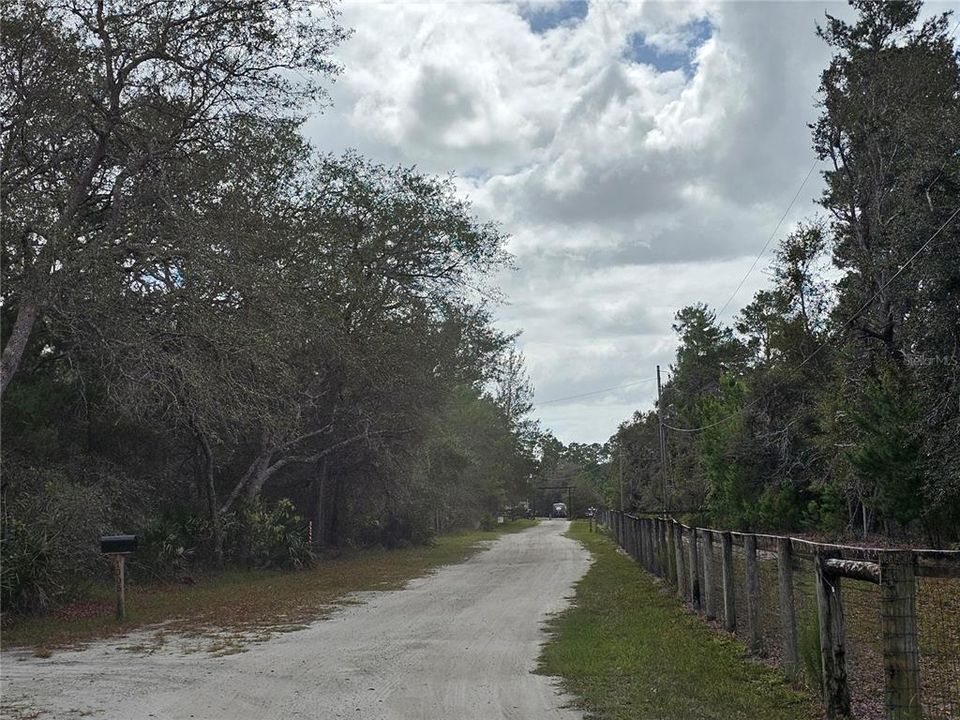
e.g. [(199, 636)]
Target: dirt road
[(456, 645)]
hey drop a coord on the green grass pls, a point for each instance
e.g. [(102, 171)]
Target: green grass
[(235, 607), (626, 649)]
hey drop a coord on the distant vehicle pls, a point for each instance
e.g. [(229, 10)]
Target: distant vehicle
[(591, 511), (559, 510)]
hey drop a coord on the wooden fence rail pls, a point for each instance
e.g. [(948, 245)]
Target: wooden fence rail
[(684, 557)]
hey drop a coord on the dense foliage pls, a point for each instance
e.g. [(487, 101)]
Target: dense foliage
[(215, 335), (833, 402)]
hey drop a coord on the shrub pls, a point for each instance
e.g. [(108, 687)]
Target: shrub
[(50, 543), (272, 537), (404, 531), (171, 541), (779, 508), (396, 530), (28, 580), (827, 512)]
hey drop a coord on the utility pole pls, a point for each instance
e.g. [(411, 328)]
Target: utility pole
[(621, 477), (663, 441)]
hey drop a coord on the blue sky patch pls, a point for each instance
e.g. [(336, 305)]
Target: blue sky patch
[(545, 16), (697, 32)]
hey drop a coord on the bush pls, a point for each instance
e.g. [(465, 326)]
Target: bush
[(28, 579), (274, 537), (171, 541), (399, 532), (487, 522), (393, 532), (780, 508), (50, 543), (827, 512)]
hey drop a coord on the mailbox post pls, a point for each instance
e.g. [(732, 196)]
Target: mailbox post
[(119, 546)]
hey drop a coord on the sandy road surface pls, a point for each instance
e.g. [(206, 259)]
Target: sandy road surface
[(456, 645)]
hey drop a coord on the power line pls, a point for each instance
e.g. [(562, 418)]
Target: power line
[(595, 392), (769, 239), (826, 342), (740, 286), (848, 320)]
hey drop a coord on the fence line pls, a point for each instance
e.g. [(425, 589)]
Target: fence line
[(884, 643)]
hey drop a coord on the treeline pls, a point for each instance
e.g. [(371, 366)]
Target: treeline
[(215, 335), (832, 403)]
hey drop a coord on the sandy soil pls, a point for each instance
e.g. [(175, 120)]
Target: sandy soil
[(456, 645)]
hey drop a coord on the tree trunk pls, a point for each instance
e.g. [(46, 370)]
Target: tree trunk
[(27, 315), (320, 486), (333, 528), (29, 309), (258, 479), (213, 508)]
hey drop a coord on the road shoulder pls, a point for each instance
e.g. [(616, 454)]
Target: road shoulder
[(626, 649)]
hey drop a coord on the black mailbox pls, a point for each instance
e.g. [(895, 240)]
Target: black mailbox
[(115, 544)]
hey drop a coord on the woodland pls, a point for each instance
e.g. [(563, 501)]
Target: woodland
[(251, 352)]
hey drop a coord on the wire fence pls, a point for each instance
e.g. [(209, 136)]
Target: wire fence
[(939, 597), (874, 632)]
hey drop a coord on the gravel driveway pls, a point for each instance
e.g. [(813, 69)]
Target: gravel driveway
[(459, 644)]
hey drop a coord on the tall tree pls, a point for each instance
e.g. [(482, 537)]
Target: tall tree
[(99, 98), (890, 126)]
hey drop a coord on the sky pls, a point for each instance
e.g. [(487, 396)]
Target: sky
[(639, 154)]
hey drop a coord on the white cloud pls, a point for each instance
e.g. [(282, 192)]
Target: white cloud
[(630, 189)]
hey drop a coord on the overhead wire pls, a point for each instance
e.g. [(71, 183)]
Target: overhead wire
[(729, 299), (594, 392), (770, 239), (828, 340), (848, 320), (740, 286)]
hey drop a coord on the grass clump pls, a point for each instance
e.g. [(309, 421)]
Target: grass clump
[(626, 649)]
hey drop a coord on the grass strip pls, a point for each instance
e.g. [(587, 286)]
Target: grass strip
[(627, 649), (251, 604)]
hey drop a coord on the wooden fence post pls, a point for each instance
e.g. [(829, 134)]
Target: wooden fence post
[(836, 692), (651, 546), (678, 553), (647, 545), (637, 541), (671, 555), (709, 599), (788, 613), (898, 630), (654, 546), (641, 542), (694, 573), (120, 560), (648, 538), (754, 637), (663, 559), (729, 583), (638, 544)]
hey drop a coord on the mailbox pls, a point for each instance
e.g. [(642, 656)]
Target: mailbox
[(116, 544)]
